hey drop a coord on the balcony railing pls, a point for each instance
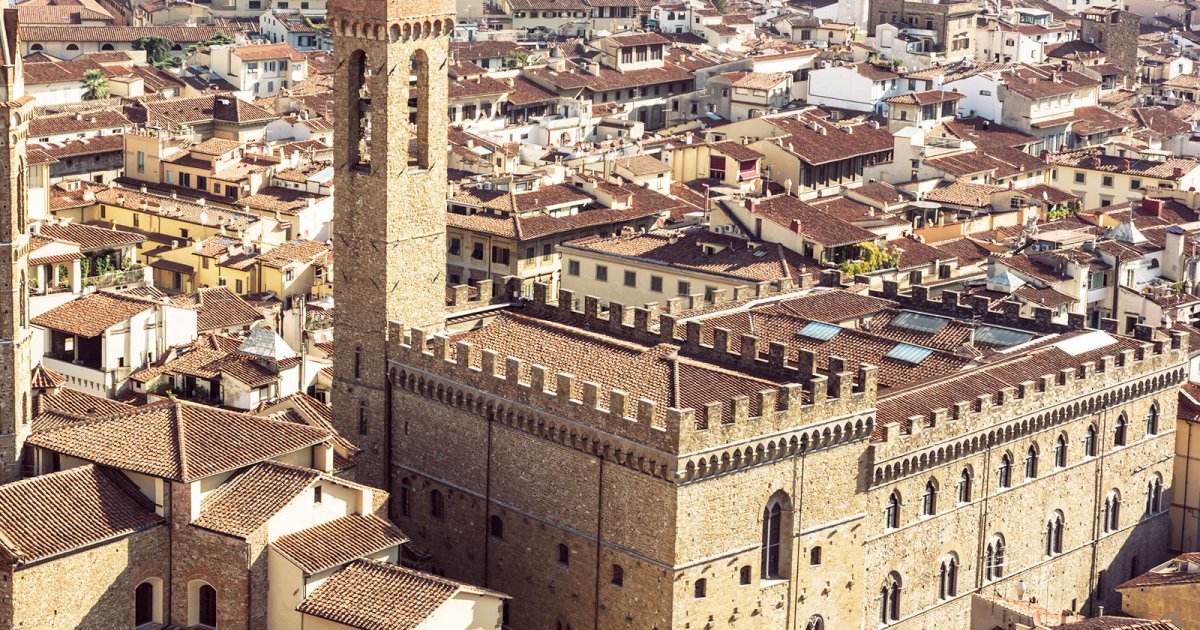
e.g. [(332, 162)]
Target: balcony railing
[(135, 274)]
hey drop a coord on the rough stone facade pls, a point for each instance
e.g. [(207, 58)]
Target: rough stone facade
[(1115, 32), (390, 233), (90, 589), (953, 22), (673, 504), (16, 109)]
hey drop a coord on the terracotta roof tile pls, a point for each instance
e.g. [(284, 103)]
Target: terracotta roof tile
[(245, 503), (179, 441), (90, 315), (90, 237), (64, 511), (218, 307), (379, 596), (339, 541)]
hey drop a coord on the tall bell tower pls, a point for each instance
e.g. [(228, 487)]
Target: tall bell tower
[(389, 235), (16, 109)]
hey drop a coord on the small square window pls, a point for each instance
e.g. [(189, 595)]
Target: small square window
[(685, 288), (1080, 178), (1135, 184), (573, 267), (656, 284), (1107, 181)]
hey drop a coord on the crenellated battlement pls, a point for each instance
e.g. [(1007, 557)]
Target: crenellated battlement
[(943, 434), (978, 308)]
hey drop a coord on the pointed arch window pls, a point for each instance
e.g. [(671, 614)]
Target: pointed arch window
[(359, 142), (1054, 534), (1031, 462), (948, 577), (776, 524), (1060, 451), (1121, 432), (964, 485), (1154, 495), (929, 498), (889, 596), (815, 622), (1004, 473), (993, 559), (1089, 441), (1152, 420), (891, 514), (1112, 511)]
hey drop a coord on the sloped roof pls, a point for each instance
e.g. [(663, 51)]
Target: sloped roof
[(90, 315), (179, 441), (64, 511), (246, 502), (339, 541)]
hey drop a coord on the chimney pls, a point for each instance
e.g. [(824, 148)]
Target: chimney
[(1177, 172), (1125, 165), (1154, 206), (1044, 156)]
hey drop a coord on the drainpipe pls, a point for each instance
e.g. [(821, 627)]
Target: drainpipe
[(599, 518)]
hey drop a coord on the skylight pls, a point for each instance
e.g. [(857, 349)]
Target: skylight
[(819, 331), (919, 321), (1005, 337), (908, 353)]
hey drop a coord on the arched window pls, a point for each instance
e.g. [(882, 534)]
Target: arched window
[(929, 498), (775, 536), (1112, 511), (948, 577), (1119, 433), (406, 492), (744, 575), (815, 622), (1031, 462), (1089, 441), (422, 116), (106, 47), (814, 556), (1004, 474), (36, 48), (964, 485), (889, 596), (147, 605), (202, 604), (993, 559), (1154, 495), (72, 47), (496, 527), (1152, 420), (23, 299), (1054, 534), (1060, 451), (618, 575), (701, 588), (437, 505), (891, 514)]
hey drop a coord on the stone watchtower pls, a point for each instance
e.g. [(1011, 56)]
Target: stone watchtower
[(16, 110), (389, 235)]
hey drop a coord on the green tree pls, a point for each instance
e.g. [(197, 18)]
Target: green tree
[(95, 85), (158, 49), (721, 6), (517, 58)]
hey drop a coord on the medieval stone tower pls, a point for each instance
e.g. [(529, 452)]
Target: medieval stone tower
[(16, 109), (390, 228)]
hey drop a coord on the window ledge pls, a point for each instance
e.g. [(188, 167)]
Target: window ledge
[(771, 582)]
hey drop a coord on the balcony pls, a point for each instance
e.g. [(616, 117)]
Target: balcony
[(134, 274)]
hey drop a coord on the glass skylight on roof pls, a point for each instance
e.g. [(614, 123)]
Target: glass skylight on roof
[(919, 321), (908, 353), (1004, 337), (819, 331)]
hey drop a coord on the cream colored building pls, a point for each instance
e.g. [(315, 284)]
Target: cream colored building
[(1104, 180)]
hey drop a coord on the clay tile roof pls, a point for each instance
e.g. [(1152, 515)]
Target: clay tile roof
[(814, 223), (180, 441), (737, 151), (263, 52), (380, 596), (963, 194), (339, 541), (218, 307), (246, 502), (477, 86), (61, 124), (875, 72), (109, 34), (1183, 569), (639, 39), (216, 146), (44, 378), (813, 138), (1118, 623), (525, 92), (296, 251), (90, 237), (925, 98), (643, 165), (1090, 120), (64, 511), (1161, 121), (760, 80), (90, 315)]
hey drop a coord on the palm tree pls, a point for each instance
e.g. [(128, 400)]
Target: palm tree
[(95, 85)]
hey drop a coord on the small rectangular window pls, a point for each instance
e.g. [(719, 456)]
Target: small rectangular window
[(1080, 178), (656, 284), (631, 278), (1135, 184), (1107, 181), (601, 273), (685, 288), (316, 494), (572, 267)]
